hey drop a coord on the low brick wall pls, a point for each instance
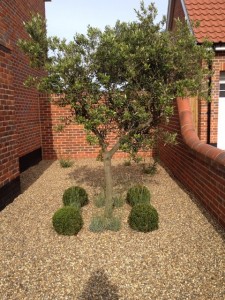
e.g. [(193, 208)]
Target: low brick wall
[(71, 142), (198, 166)]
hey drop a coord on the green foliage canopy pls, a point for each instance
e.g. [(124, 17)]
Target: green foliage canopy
[(121, 80)]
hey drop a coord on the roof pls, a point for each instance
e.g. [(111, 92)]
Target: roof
[(210, 13)]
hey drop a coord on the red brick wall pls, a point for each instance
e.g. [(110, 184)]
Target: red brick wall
[(177, 12), (27, 115), (71, 142), (9, 169), (198, 166), (20, 130), (203, 120), (14, 13), (218, 65)]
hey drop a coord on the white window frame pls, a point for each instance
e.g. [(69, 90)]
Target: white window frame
[(221, 113), (222, 81)]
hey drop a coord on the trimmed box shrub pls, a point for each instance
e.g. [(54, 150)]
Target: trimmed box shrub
[(138, 194), (143, 217), (67, 220), (75, 196)]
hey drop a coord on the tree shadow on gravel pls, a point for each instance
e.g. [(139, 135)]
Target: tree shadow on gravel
[(98, 287), (123, 176), (28, 177)]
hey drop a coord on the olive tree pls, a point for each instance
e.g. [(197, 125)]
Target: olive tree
[(121, 80)]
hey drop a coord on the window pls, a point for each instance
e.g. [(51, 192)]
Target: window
[(222, 84)]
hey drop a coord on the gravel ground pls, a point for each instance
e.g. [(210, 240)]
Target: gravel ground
[(183, 259)]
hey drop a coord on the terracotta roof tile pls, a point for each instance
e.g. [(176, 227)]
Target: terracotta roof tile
[(211, 14)]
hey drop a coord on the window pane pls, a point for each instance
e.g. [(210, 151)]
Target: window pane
[(222, 76), (222, 86), (222, 93)]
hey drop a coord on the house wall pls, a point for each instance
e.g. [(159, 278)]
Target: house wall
[(9, 170), (218, 65), (198, 166), (21, 132), (206, 128), (26, 99), (200, 108), (177, 12)]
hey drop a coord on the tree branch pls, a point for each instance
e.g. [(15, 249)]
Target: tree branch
[(115, 147)]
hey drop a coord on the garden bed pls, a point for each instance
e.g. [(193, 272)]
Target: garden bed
[(183, 259)]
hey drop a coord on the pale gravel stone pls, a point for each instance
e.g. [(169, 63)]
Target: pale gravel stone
[(184, 259)]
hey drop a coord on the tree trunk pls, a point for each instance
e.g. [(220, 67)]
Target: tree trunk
[(107, 157)]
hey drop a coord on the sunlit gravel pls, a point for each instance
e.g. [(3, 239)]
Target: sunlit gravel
[(184, 259)]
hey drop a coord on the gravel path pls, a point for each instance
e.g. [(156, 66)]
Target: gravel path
[(184, 259)]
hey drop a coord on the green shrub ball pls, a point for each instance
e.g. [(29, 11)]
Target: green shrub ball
[(138, 194), (143, 217), (75, 196), (67, 220)]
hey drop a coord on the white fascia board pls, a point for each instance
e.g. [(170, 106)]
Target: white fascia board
[(186, 16), (219, 48), (168, 14)]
